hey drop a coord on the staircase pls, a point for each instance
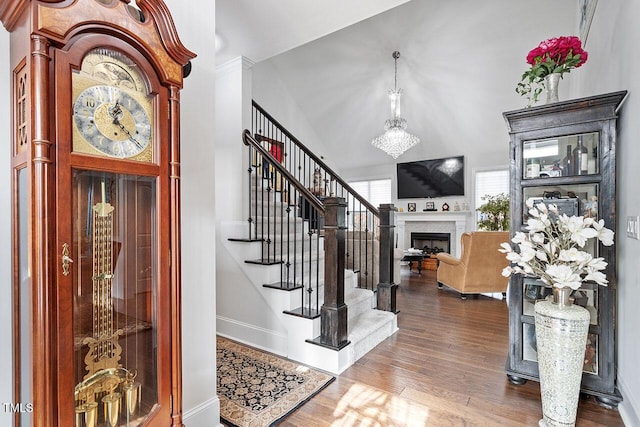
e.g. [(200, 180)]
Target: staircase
[(309, 274), (286, 265)]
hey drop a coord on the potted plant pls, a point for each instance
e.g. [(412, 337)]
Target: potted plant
[(552, 252), (494, 213)]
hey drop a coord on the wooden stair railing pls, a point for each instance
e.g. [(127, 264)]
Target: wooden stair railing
[(333, 313), (362, 238), (302, 212)]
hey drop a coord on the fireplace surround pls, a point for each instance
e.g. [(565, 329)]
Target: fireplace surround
[(455, 223)]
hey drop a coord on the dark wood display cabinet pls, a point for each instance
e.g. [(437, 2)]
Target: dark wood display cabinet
[(565, 153), (96, 203)]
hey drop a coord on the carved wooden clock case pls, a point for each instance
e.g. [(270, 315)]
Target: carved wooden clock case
[(96, 202)]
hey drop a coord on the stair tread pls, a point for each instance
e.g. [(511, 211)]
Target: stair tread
[(246, 240), (353, 295), (285, 286), (368, 322), (262, 261)]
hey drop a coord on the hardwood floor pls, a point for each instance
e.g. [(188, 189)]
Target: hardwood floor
[(444, 367)]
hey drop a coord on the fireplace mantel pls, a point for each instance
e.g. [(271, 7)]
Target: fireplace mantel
[(459, 221)]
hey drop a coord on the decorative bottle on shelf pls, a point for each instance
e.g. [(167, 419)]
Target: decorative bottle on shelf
[(591, 164), (565, 164), (580, 158), (533, 168)]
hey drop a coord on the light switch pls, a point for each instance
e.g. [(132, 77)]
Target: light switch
[(633, 227)]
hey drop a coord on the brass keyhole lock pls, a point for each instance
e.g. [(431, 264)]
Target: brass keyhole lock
[(66, 259)]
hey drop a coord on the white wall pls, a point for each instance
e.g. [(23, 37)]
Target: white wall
[(232, 106), (6, 349), (195, 24), (242, 311), (273, 95), (614, 65)]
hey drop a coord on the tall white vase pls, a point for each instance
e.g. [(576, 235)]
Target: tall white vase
[(561, 336)]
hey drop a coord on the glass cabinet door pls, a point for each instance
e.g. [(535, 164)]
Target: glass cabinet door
[(114, 298), (23, 295), (570, 155), (570, 199), (587, 297)]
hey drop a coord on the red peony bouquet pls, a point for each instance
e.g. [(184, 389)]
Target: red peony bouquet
[(555, 55)]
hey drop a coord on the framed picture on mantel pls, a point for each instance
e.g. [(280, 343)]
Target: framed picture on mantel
[(411, 207), (430, 206)]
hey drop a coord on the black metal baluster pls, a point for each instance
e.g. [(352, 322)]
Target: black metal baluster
[(290, 217), (302, 223), (365, 241), (314, 218), (295, 238), (317, 306)]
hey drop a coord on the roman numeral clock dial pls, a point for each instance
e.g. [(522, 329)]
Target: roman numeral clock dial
[(112, 121)]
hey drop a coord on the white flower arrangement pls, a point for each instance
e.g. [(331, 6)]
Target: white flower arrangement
[(551, 248)]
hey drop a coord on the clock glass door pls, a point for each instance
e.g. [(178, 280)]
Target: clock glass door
[(113, 272)]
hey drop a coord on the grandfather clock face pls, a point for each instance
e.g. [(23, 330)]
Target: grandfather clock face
[(112, 109)]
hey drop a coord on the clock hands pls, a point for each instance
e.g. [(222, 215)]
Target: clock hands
[(116, 114)]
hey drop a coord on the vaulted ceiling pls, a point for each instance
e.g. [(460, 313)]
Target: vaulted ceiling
[(460, 62)]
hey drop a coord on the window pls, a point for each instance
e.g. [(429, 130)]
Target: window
[(375, 192), (490, 183)]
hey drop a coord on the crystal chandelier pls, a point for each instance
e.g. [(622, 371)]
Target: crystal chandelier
[(395, 140)]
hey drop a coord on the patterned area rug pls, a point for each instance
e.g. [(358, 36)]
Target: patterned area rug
[(258, 389)]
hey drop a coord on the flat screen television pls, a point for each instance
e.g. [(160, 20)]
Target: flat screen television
[(431, 178)]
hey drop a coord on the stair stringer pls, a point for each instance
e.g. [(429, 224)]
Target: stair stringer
[(273, 336)]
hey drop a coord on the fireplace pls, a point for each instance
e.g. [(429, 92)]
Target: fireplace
[(454, 223), (431, 243)]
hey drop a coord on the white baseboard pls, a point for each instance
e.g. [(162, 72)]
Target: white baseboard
[(496, 295), (628, 408), (255, 336), (207, 414)]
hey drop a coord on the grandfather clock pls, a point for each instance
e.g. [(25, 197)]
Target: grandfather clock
[(96, 202)]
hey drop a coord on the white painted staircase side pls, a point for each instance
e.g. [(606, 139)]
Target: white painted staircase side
[(367, 326)]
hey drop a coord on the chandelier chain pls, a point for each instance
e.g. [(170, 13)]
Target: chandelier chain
[(395, 55)]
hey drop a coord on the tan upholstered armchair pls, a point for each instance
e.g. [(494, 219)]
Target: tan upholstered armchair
[(479, 270)]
